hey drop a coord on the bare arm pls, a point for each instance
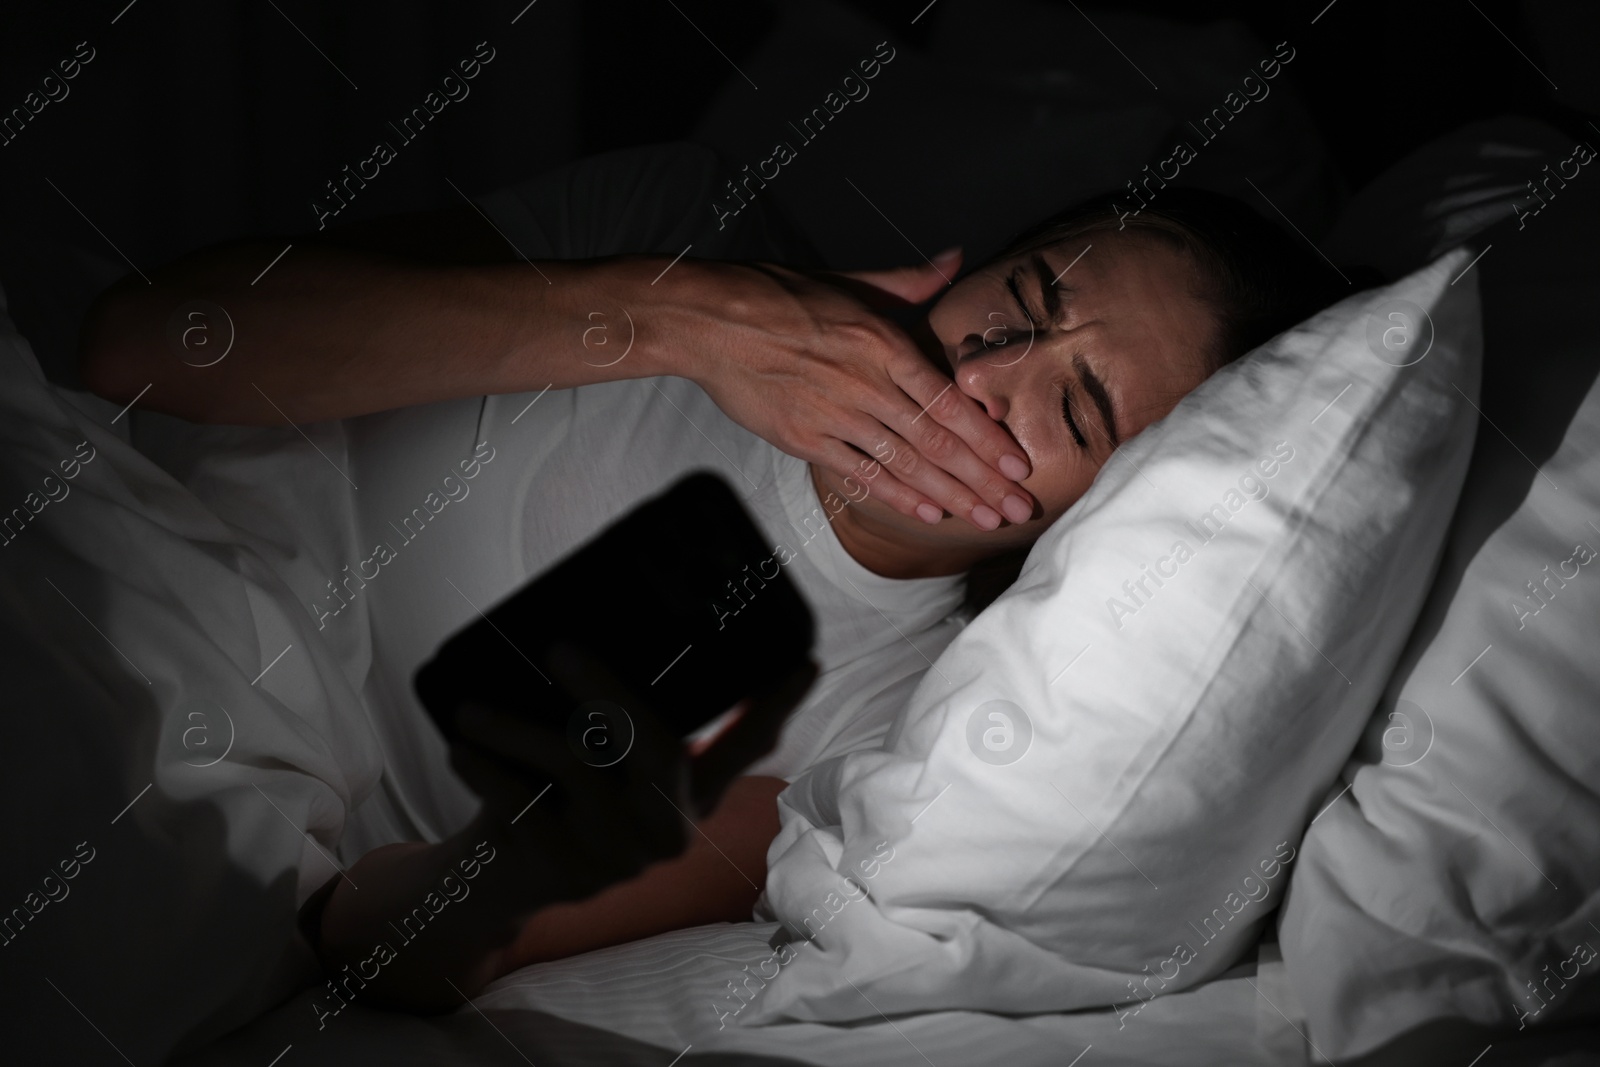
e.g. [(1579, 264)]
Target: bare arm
[(334, 331), (454, 916), (409, 312), (716, 879), (412, 920), (421, 926)]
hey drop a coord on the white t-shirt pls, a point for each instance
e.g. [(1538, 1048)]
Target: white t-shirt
[(474, 497)]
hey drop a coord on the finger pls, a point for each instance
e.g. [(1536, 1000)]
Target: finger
[(580, 862), (595, 829), (904, 285), (954, 431), (754, 735), (655, 775), (624, 823), (532, 753), (500, 787), (665, 818), (596, 820), (878, 480), (583, 673), (507, 735), (587, 676), (936, 395), (608, 819), (921, 466)]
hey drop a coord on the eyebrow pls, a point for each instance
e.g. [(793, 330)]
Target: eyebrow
[(1097, 392), (1049, 291)]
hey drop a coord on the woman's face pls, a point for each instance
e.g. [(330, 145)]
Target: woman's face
[(1074, 349)]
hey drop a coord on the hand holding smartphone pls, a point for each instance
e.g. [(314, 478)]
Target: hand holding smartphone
[(628, 641)]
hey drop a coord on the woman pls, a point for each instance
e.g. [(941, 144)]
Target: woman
[(925, 454)]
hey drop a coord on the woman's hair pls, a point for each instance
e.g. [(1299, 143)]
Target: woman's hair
[(1256, 278)]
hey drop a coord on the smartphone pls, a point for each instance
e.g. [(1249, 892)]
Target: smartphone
[(682, 598)]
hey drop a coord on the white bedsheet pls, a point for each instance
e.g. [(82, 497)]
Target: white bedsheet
[(650, 1001), (666, 991)]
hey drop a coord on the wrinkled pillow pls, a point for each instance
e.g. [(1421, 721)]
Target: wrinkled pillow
[(1096, 794), (1457, 874)]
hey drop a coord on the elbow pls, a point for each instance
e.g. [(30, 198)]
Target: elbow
[(132, 341), (109, 360)]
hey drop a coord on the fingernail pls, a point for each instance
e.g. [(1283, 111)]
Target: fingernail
[(929, 514), (1013, 468), (1016, 509), (986, 517)]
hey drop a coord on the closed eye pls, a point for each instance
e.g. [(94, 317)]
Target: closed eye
[(1016, 294), (1066, 413)]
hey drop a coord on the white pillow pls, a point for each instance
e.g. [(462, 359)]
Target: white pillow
[(1168, 737), (1462, 865)]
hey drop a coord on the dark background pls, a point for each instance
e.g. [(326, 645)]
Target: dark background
[(200, 120)]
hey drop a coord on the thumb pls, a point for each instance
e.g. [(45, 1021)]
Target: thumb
[(911, 285)]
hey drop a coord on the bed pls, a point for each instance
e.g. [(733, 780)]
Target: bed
[(648, 1002), (654, 1002)]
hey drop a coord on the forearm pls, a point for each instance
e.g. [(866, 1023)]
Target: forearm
[(331, 332), (427, 925), (443, 941), (716, 879)]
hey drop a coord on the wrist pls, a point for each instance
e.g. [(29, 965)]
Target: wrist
[(597, 320), (676, 303), (625, 316), (570, 323)]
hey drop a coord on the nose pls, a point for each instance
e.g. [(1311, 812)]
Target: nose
[(988, 376)]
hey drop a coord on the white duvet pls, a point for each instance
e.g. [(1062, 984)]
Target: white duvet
[(145, 638)]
